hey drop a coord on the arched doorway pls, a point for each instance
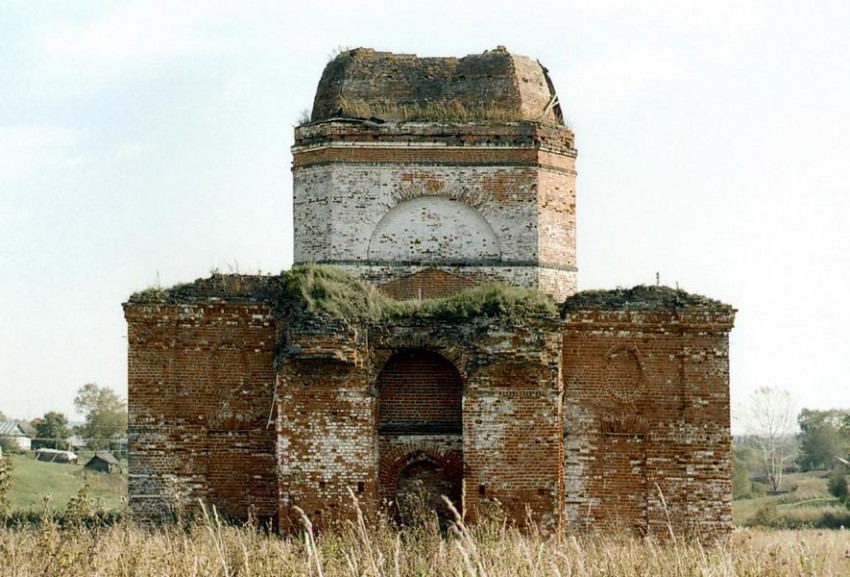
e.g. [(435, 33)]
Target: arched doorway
[(420, 489), (420, 426)]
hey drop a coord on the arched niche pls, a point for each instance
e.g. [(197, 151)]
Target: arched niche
[(433, 229), (414, 479), (419, 391)]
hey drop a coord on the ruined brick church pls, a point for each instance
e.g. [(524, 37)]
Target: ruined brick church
[(418, 184)]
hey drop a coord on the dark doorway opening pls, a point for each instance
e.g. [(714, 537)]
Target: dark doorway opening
[(420, 489)]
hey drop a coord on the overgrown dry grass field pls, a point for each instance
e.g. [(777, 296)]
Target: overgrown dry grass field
[(208, 547), (63, 540)]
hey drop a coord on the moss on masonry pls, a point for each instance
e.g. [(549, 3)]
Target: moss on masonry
[(641, 297), (450, 111), (319, 290), (316, 291)]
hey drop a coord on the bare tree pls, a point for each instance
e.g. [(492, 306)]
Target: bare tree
[(770, 420)]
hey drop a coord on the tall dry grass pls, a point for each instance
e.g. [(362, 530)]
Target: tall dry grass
[(209, 547)]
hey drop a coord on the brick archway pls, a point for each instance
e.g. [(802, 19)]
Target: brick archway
[(420, 426), (409, 455), (418, 341)]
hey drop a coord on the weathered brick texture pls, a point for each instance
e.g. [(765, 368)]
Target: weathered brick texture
[(201, 381), (430, 283), (326, 424), (379, 206), (646, 417), (418, 390), (613, 414), (496, 83), (510, 403)]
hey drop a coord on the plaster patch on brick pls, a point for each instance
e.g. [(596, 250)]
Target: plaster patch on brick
[(431, 229)]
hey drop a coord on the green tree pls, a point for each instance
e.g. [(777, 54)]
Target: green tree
[(741, 485), (52, 430), (745, 460), (822, 438), (838, 484), (8, 446), (105, 415), (845, 424)]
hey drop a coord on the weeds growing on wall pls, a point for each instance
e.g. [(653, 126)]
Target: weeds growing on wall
[(320, 291), (505, 302), (328, 291), (436, 111), (642, 296)]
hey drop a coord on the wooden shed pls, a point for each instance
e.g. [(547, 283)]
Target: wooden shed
[(103, 462)]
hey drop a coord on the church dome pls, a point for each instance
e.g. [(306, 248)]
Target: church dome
[(494, 86)]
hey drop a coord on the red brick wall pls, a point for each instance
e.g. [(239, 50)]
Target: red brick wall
[(548, 137), (201, 386), (419, 388), (512, 425), (503, 156), (556, 214), (327, 434), (428, 284), (646, 419), (611, 418), (510, 446)]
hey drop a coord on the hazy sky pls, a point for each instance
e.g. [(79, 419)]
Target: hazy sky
[(148, 141)]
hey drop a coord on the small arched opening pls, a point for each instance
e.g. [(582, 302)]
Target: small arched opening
[(420, 491)]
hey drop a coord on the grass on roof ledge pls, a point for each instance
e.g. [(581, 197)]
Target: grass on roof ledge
[(328, 291), (448, 111), (484, 301), (321, 290), (317, 291)]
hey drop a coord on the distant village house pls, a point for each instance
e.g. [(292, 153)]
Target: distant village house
[(13, 431)]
